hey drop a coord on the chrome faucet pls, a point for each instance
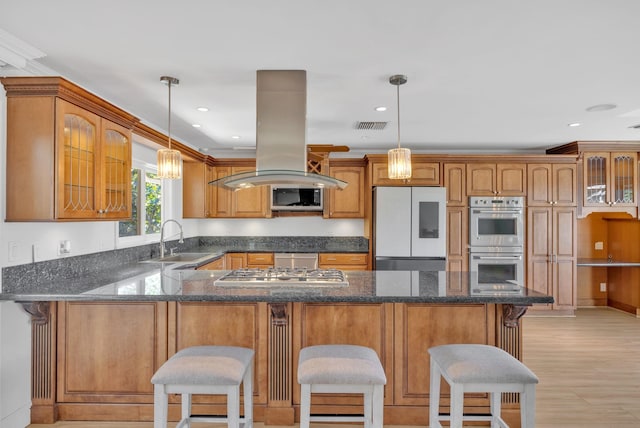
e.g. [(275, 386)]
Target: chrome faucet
[(181, 240)]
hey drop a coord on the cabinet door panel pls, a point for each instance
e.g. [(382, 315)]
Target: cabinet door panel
[(228, 324), (108, 351), (455, 183), (349, 202), (539, 178), (565, 185), (251, 202), (115, 171), (421, 326), (565, 226), (77, 144), (368, 325), (511, 179), (481, 179)]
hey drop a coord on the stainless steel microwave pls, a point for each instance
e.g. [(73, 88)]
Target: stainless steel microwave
[(292, 198)]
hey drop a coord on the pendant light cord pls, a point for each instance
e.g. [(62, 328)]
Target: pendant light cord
[(398, 98), (169, 130)]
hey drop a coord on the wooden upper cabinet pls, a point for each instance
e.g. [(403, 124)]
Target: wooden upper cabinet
[(348, 202), (455, 183), (68, 153), (195, 190), (551, 184), (502, 179), (244, 203), (422, 174), (610, 179), (251, 202)]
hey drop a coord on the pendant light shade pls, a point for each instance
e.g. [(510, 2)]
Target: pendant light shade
[(399, 159), (169, 161)]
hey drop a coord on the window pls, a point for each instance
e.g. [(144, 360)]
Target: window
[(146, 205)]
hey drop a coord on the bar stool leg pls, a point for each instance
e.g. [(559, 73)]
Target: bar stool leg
[(305, 405), (378, 406), (496, 409), (247, 388), (528, 407), (186, 409), (434, 396), (368, 402), (160, 407), (457, 405), (233, 406)]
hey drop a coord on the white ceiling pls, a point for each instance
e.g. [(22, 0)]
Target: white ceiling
[(495, 75)]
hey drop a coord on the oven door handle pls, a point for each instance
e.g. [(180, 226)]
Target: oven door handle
[(497, 257), (518, 212)]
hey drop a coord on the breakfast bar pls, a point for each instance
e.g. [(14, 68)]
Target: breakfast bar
[(97, 343)]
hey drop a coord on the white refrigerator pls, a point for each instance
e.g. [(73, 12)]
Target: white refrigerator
[(410, 228)]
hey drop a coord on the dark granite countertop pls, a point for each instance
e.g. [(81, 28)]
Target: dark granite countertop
[(163, 282)]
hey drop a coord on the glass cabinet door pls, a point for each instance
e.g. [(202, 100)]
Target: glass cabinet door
[(596, 171), (115, 165), (624, 176), (77, 143), (610, 179)]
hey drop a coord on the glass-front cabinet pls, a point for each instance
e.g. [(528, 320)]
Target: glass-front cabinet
[(94, 165), (68, 153), (610, 179)]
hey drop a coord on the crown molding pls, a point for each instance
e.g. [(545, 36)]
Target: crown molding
[(17, 56)]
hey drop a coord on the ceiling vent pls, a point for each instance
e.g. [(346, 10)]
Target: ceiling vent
[(371, 126)]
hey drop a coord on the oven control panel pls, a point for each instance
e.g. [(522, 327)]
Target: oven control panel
[(496, 201)]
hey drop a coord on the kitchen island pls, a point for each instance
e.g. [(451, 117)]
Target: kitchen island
[(98, 343)]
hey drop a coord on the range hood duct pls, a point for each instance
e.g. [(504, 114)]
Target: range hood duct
[(281, 151)]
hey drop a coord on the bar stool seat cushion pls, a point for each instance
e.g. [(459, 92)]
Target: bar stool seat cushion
[(340, 364), (205, 365), (481, 364)]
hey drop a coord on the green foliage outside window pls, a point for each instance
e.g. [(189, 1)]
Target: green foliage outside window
[(152, 208)]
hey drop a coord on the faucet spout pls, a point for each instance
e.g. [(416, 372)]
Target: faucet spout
[(163, 249)]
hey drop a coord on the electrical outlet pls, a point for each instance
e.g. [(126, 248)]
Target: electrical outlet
[(603, 287), (64, 248), (13, 251), (599, 245)]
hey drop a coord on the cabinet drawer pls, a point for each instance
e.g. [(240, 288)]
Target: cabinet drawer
[(342, 259), (260, 259)]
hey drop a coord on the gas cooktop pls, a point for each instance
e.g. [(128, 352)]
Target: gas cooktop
[(284, 277)]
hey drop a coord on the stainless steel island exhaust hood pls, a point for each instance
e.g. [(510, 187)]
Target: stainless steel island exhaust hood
[(281, 152)]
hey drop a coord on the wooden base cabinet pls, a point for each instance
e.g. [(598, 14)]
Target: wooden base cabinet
[(105, 353)]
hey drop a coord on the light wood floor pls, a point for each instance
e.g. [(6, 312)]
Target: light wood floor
[(589, 370)]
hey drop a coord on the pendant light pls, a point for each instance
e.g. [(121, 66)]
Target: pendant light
[(399, 159), (169, 161)]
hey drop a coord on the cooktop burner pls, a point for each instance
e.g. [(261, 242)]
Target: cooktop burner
[(283, 277)]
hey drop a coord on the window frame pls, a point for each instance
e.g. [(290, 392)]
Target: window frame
[(143, 238)]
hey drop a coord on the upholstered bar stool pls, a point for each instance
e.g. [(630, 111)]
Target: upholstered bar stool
[(479, 368), (205, 370), (342, 369)]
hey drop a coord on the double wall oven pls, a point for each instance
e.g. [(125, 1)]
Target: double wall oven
[(496, 240)]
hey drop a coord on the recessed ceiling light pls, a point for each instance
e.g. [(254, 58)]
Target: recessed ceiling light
[(602, 107), (574, 124), (235, 137), (196, 125), (381, 108), (202, 109)]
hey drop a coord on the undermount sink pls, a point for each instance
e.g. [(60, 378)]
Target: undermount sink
[(182, 258)]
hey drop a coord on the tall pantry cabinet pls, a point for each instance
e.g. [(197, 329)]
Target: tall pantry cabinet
[(68, 153), (552, 233)]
